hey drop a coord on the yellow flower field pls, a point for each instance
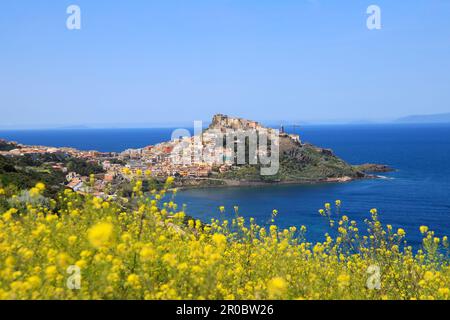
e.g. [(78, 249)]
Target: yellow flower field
[(81, 247)]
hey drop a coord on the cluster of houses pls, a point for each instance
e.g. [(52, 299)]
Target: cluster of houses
[(84, 184), (195, 157), (74, 181), (199, 156), (162, 161)]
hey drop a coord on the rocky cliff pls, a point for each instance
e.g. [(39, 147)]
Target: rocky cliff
[(299, 162), (221, 121)]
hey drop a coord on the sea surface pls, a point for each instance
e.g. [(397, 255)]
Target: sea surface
[(417, 193)]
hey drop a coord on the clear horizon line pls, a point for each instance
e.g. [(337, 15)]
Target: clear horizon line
[(173, 124), (189, 123)]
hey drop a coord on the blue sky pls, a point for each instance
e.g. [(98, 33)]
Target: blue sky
[(152, 62)]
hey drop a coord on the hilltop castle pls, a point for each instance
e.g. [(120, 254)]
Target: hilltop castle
[(221, 121)]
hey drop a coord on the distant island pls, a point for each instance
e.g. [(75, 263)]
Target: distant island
[(430, 118), (299, 162)]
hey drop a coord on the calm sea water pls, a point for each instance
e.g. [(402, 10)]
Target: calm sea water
[(418, 193)]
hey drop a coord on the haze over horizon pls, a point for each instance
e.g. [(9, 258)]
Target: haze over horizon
[(173, 62), (411, 119)]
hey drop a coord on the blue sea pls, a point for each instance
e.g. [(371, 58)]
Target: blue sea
[(417, 193)]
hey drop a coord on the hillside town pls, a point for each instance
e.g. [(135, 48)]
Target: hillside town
[(201, 156)]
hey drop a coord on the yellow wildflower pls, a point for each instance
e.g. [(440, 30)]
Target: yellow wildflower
[(343, 280), (72, 239), (10, 261), (34, 192), (276, 287), (423, 229), (170, 180), (34, 282), (100, 234), (428, 276), (147, 253), (170, 259), (51, 272), (219, 239), (133, 281), (444, 292)]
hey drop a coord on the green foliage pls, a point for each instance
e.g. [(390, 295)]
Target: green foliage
[(25, 171), (83, 167), (6, 146), (305, 163), (13, 172)]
